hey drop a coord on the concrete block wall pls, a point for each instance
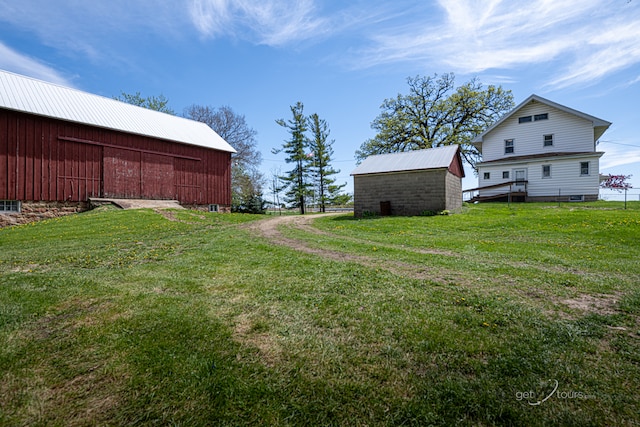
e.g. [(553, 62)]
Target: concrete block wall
[(454, 192), (409, 193)]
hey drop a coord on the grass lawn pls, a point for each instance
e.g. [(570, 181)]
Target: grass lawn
[(520, 315)]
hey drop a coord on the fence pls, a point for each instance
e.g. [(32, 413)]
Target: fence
[(615, 196)]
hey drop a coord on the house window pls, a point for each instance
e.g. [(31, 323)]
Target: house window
[(543, 116), (546, 171), (525, 119), (584, 168), (505, 175), (487, 175), (508, 146), (9, 206), (548, 140)]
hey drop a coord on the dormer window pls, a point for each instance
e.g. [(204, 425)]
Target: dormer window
[(508, 146), (544, 116)]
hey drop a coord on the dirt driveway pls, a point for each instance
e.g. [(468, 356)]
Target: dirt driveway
[(270, 229)]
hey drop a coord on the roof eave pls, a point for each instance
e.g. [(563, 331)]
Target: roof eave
[(400, 171), (538, 158)]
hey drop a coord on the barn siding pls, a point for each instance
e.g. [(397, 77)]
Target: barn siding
[(43, 159)]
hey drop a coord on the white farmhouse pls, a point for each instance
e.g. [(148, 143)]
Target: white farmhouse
[(540, 151)]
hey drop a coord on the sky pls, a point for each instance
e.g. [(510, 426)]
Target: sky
[(341, 59)]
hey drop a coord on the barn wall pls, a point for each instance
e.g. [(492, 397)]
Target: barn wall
[(44, 159), (409, 193)]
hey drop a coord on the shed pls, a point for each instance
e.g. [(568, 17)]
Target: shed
[(59, 145), (409, 183)]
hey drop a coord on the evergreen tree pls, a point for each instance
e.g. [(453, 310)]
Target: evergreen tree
[(321, 151), (296, 148), (245, 196)]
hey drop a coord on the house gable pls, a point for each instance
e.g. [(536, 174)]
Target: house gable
[(539, 126)]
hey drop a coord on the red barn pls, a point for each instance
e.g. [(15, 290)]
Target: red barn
[(65, 146)]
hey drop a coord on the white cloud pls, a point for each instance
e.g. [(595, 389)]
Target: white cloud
[(211, 17), (10, 60), (270, 22), (93, 29), (616, 156), (587, 40), (613, 48)]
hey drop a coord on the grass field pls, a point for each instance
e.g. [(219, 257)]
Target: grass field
[(520, 315)]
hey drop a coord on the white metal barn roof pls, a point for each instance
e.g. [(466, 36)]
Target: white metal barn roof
[(33, 96), (432, 158)]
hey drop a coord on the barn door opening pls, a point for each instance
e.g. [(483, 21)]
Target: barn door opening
[(157, 177), (79, 171), (122, 173)]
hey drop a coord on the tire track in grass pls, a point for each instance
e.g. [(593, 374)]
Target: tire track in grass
[(270, 229)]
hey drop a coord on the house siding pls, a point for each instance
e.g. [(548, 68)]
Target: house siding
[(409, 193), (570, 134), (565, 179)]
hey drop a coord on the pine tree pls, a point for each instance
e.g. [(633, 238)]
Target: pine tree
[(322, 151), (296, 147)]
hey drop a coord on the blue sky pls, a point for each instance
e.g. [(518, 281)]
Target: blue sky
[(340, 58)]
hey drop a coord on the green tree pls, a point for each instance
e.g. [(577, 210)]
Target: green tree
[(158, 103), (322, 151), (435, 113), (245, 196), (296, 180), (246, 180)]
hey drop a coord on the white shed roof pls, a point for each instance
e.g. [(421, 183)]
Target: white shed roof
[(432, 158), (33, 96)]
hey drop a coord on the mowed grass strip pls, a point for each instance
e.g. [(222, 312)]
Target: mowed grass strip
[(186, 318)]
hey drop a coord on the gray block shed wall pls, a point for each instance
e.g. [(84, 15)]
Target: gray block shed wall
[(410, 193)]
